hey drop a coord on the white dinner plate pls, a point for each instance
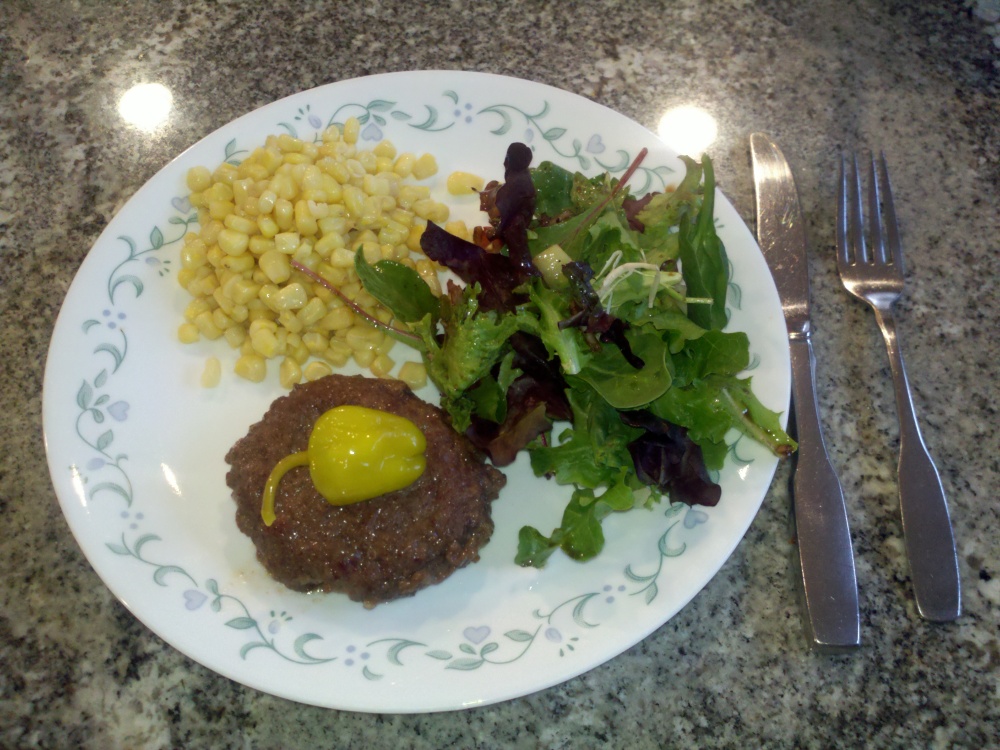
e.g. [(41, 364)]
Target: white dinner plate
[(136, 445)]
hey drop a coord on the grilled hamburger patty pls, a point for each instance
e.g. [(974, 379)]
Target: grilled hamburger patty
[(379, 549)]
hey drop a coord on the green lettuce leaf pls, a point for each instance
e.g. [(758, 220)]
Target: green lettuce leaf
[(473, 342), (594, 452)]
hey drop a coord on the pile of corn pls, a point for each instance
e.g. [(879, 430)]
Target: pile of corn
[(317, 204)]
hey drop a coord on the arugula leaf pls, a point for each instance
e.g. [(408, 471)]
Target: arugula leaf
[(710, 407), (663, 211), (756, 420), (610, 233), (533, 548), (398, 287), (589, 191), (565, 343), (553, 189), (579, 534)]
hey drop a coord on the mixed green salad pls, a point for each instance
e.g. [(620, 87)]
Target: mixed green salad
[(588, 332)]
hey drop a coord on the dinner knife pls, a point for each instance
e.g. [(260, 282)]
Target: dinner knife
[(824, 539)]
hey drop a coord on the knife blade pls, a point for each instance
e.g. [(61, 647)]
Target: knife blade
[(826, 558)]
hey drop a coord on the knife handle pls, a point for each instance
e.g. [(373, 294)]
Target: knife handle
[(824, 538)]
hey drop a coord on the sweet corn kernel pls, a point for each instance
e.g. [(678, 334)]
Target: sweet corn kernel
[(289, 373), (206, 326), (188, 333), (235, 336), (313, 311), (238, 263), (264, 342), (364, 357), (414, 374), (305, 222), (287, 242), (268, 226), (212, 373), (276, 265), (251, 367), (232, 242), (290, 297), (352, 128), (198, 179), (317, 370), (464, 183), (288, 320), (382, 366), (240, 224), (426, 166), (260, 244), (194, 255), (459, 229)]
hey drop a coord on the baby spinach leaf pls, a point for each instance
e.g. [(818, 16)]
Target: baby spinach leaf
[(704, 263), (398, 287), (619, 383)]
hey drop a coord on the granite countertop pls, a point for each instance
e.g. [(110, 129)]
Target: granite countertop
[(918, 80)]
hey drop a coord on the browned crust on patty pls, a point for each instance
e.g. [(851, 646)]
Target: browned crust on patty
[(380, 549)]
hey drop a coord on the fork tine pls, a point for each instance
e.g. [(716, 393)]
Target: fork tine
[(875, 214), (856, 224), (843, 252), (895, 250)]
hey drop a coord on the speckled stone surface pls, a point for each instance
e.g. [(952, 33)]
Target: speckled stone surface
[(918, 79)]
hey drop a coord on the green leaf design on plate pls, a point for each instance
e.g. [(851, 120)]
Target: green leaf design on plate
[(300, 643), (84, 395), (162, 572), (242, 623), (247, 648), (105, 439), (111, 487), (465, 664), (519, 635)]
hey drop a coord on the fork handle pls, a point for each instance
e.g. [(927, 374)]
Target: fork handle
[(930, 543), (824, 539)]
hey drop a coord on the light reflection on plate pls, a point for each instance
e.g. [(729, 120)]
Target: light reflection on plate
[(136, 446)]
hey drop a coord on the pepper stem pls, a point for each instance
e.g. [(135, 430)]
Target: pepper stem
[(271, 488)]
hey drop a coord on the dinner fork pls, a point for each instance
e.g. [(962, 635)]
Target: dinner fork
[(876, 277)]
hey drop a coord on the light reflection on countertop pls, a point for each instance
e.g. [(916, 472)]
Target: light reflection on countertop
[(688, 130), (146, 105)]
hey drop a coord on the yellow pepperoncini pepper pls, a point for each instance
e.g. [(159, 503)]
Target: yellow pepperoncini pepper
[(354, 454)]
